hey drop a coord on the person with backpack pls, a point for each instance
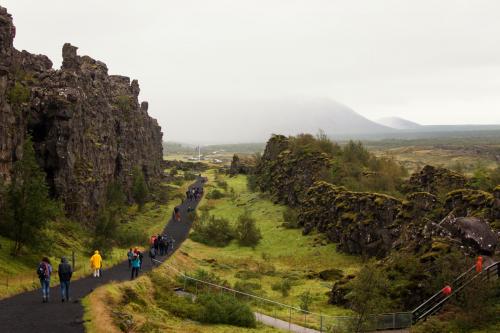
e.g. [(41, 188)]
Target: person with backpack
[(141, 258), (65, 272), (177, 214), (44, 272), (152, 255), (136, 265), (130, 256), (96, 263)]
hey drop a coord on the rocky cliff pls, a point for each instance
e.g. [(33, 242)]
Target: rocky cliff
[(88, 127)]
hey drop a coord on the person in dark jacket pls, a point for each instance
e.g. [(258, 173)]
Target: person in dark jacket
[(65, 272), (44, 272), (136, 265)]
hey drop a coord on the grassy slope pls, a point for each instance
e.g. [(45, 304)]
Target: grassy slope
[(18, 274), (105, 308), (287, 250)]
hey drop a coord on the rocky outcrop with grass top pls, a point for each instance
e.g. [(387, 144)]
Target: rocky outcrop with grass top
[(287, 173), (435, 180), (88, 127)]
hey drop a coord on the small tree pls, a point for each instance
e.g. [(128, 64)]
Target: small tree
[(29, 199), (109, 216), (246, 231), (368, 294), (139, 188)]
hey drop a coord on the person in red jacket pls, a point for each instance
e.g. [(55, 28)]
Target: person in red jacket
[(479, 264)]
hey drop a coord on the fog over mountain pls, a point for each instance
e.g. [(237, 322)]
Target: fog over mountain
[(398, 123), (255, 121)]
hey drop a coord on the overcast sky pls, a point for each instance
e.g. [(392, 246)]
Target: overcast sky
[(430, 61)]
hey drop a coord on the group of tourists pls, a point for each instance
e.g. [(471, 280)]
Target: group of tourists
[(160, 245), (44, 272), (194, 193)]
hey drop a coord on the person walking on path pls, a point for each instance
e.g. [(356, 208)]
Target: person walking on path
[(177, 214), (44, 272), (65, 272), (130, 256), (96, 263), (152, 255), (136, 265)]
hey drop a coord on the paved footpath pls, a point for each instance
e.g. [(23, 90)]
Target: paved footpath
[(25, 313)]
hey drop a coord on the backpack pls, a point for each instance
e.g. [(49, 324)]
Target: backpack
[(42, 271)]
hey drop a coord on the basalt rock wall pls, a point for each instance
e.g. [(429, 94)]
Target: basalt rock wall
[(88, 127)]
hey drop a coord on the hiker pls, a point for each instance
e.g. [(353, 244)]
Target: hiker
[(177, 214), (136, 265), (161, 246), (44, 271), (65, 272), (152, 255), (141, 258), (96, 263), (479, 264), (156, 243), (152, 240), (130, 256)]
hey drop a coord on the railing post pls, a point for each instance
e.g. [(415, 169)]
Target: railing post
[(290, 320), (321, 323), (184, 282), (393, 320)]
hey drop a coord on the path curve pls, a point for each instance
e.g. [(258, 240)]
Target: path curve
[(25, 313)]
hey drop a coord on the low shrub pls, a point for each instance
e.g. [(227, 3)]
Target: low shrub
[(213, 231), (224, 309), (247, 287), (222, 184), (290, 218), (215, 194), (284, 286), (246, 231), (189, 176)]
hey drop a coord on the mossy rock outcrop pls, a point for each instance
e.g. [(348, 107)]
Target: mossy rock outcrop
[(287, 173), (241, 165), (362, 223), (437, 181)]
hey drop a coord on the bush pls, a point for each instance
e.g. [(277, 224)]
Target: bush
[(215, 194), (284, 286), (139, 188), (189, 176), (222, 184), (125, 237), (224, 309), (247, 287), (246, 231), (252, 183), (305, 301), (212, 231), (290, 216)]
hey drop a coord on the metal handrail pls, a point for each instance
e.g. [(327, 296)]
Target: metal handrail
[(440, 291), (457, 290)]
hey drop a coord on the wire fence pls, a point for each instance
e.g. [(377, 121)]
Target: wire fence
[(296, 316)]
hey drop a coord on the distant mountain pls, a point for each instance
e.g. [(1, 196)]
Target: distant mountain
[(399, 123), (256, 121)]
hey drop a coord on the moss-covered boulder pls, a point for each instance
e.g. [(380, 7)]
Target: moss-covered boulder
[(466, 202), (287, 172), (437, 181), (242, 165)]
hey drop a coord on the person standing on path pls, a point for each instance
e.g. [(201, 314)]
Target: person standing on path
[(96, 263), (136, 265), (65, 272), (130, 256), (152, 255), (44, 272)]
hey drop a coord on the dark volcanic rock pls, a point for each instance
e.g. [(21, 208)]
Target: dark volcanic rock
[(435, 180), (87, 126), (473, 231), (241, 165)]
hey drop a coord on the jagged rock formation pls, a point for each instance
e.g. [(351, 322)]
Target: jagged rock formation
[(287, 173), (241, 165), (88, 127), (362, 223), (436, 181)]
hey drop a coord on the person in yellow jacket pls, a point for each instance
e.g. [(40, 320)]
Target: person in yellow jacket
[(96, 263)]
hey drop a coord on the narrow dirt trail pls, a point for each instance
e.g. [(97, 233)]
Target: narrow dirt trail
[(25, 313)]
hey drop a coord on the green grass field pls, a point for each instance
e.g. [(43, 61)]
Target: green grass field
[(282, 253)]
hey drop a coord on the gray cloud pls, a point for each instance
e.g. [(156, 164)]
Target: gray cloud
[(429, 61)]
